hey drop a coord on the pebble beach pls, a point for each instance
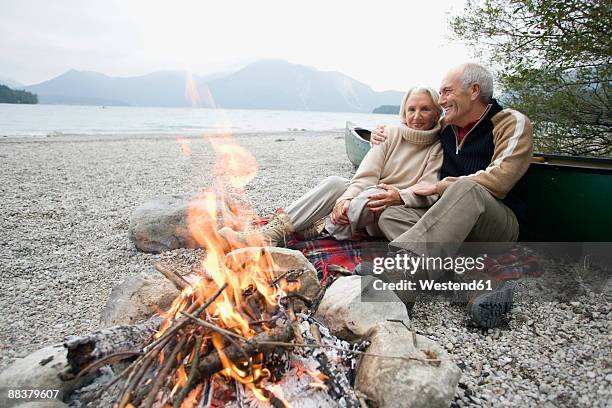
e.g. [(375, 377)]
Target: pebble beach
[(67, 201)]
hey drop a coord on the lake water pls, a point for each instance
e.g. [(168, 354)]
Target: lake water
[(42, 120)]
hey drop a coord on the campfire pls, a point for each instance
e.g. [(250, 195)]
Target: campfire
[(232, 336), (240, 332)]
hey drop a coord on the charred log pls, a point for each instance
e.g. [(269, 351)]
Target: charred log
[(83, 350)]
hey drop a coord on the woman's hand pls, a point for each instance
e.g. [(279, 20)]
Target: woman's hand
[(340, 211), (380, 201), (424, 189), (378, 135)]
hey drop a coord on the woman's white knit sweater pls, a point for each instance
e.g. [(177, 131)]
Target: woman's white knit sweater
[(405, 158)]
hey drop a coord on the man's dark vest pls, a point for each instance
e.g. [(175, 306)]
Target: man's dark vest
[(476, 154)]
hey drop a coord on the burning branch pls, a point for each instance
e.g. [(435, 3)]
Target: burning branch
[(259, 344), (139, 368), (163, 373), (186, 344)]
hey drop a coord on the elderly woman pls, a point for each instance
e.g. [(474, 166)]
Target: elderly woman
[(410, 154)]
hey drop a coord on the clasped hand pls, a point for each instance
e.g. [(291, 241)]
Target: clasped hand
[(339, 214), (377, 203)]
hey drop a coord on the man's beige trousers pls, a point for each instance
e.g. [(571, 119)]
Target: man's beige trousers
[(465, 212)]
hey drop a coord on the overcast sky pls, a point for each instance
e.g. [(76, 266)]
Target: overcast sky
[(388, 44)]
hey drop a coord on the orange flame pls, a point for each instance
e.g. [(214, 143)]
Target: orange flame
[(181, 379), (254, 271), (234, 165)]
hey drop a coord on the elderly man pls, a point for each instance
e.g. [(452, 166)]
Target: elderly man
[(486, 150)]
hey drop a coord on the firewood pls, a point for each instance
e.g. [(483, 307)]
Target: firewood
[(205, 367), (162, 375), (191, 377), (179, 324), (140, 367), (112, 359), (83, 350), (295, 326), (212, 362)]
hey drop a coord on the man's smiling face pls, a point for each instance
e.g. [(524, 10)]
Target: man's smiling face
[(455, 99)]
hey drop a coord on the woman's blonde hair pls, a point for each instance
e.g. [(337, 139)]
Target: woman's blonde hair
[(425, 89)]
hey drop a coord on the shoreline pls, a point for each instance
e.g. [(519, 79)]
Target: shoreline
[(171, 136)]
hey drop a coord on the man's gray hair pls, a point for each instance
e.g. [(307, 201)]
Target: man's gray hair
[(435, 96), (477, 74)]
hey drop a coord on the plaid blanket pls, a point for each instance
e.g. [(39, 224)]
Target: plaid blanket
[(516, 264), (332, 257)]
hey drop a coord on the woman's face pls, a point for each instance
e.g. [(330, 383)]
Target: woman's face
[(420, 111)]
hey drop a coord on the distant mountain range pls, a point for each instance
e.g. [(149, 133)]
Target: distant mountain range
[(266, 84)]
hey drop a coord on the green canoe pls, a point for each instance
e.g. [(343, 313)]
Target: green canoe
[(569, 198)]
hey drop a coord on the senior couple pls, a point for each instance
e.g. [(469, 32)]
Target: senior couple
[(451, 172)]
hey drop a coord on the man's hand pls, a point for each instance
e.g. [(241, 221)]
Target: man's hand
[(424, 189), (378, 135), (339, 213), (380, 201)]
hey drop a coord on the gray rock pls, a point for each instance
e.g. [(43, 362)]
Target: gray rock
[(350, 317), (138, 298), (38, 370), (163, 224), (284, 260), (400, 383)]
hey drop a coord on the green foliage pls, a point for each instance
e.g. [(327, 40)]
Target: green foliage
[(8, 95), (387, 109), (554, 62)]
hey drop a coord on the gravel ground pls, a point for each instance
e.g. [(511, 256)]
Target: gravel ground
[(66, 204), (547, 354)]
